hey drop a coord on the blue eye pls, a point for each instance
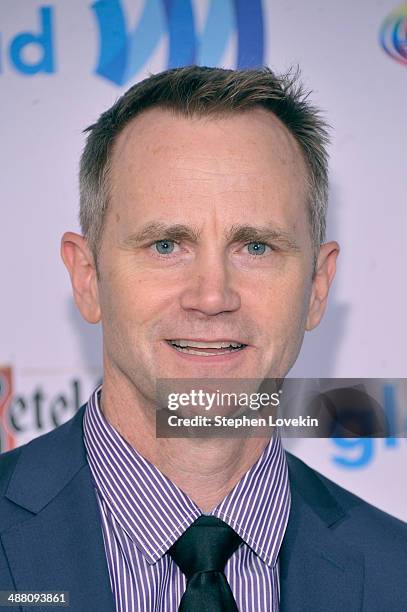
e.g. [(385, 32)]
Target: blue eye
[(164, 246), (256, 248)]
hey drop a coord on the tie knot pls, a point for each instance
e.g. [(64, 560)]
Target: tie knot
[(205, 546)]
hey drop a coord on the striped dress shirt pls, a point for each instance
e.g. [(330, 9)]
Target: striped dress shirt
[(143, 513)]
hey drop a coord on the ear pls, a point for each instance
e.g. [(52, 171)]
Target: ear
[(323, 277), (82, 270)]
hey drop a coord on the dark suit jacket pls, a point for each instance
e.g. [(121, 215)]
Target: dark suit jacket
[(339, 553)]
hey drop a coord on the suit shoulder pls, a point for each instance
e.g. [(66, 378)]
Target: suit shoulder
[(8, 461), (367, 512), (372, 538), (35, 448), (366, 516)]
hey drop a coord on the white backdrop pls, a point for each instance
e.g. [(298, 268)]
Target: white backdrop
[(51, 90)]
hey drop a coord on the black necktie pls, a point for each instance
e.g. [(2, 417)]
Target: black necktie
[(201, 554)]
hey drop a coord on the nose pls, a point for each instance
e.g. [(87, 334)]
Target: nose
[(209, 289)]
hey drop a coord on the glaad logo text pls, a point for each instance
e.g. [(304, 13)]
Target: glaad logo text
[(124, 51), (40, 42)]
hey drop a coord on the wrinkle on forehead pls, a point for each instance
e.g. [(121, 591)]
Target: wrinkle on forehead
[(152, 125), (238, 152)]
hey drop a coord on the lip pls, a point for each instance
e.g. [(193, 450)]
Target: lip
[(207, 340), (209, 359)]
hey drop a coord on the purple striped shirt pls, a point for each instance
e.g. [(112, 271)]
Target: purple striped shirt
[(143, 513)]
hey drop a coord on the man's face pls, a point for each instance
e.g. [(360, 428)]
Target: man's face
[(206, 244)]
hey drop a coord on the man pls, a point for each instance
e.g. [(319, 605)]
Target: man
[(203, 203)]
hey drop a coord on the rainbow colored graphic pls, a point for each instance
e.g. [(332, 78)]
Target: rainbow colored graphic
[(393, 34), (7, 439)]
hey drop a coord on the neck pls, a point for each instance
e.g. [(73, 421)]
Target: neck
[(205, 469)]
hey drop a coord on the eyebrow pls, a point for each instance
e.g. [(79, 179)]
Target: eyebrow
[(251, 233), (155, 230)]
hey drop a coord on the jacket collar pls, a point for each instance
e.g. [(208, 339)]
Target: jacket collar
[(57, 543), (33, 484), (319, 569)]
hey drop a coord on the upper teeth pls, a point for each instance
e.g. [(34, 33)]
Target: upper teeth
[(195, 344)]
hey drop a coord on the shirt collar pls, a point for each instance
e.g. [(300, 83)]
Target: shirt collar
[(257, 508), (154, 512)]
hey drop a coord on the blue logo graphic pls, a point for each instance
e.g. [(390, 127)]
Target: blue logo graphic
[(42, 41), (123, 53)]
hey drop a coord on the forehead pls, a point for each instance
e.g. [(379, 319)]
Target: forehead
[(168, 157), (256, 126)]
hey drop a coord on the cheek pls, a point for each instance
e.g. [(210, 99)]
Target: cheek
[(285, 293), (135, 300), (281, 306)]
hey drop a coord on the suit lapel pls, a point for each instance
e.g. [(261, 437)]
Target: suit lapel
[(58, 545), (318, 571)]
